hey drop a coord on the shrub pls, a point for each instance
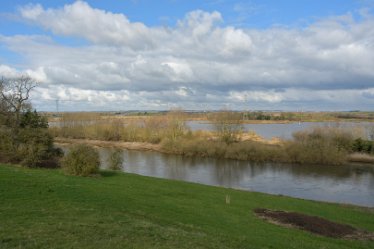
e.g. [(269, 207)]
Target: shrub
[(227, 125), (81, 160), (255, 152), (361, 145), (7, 146), (116, 160), (33, 120), (244, 150), (36, 145), (320, 146), (31, 147)]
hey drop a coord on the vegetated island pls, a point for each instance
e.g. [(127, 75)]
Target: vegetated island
[(168, 133)]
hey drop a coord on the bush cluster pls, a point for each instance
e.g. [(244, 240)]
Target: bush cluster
[(242, 150), (320, 146), (313, 146), (362, 145), (28, 143), (81, 160), (116, 160), (227, 125)]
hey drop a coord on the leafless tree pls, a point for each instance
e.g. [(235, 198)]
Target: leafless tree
[(14, 96), (228, 125)]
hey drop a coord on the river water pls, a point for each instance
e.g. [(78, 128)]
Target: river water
[(352, 184)]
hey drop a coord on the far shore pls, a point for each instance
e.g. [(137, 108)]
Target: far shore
[(205, 120)]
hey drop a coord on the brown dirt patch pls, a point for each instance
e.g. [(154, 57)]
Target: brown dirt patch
[(111, 144), (361, 158), (313, 224)]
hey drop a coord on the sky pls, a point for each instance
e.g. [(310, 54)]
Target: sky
[(117, 55)]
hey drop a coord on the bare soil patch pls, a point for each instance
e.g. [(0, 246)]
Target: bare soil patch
[(111, 144), (313, 224), (361, 158)]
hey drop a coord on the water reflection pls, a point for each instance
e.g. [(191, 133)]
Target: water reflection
[(346, 184)]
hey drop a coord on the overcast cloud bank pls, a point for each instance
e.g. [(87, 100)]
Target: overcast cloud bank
[(200, 63)]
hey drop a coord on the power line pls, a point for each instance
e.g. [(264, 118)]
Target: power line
[(57, 100)]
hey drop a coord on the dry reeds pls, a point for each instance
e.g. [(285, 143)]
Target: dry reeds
[(93, 126), (319, 145)]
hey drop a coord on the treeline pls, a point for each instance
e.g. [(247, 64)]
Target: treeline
[(307, 116)]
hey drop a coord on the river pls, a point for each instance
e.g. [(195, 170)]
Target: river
[(352, 184)]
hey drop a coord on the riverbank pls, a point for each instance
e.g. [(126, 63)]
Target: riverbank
[(361, 158), (45, 208), (111, 144), (151, 146)]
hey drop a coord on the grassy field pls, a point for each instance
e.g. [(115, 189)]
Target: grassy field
[(42, 208)]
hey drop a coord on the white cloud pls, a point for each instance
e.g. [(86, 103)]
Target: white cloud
[(257, 96), (199, 61), (8, 72), (98, 26)]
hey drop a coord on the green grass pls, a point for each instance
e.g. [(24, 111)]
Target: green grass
[(42, 208)]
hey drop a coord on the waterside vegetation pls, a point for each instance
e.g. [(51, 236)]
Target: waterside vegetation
[(319, 145), (81, 160)]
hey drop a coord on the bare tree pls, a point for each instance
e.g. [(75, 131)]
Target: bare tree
[(228, 125), (175, 123), (14, 96)]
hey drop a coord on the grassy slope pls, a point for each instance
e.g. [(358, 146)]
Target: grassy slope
[(44, 209)]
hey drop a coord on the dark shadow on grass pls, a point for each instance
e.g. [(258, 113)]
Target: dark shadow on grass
[(108, 173)]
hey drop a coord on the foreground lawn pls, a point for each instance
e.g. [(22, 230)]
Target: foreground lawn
[(45, 209)]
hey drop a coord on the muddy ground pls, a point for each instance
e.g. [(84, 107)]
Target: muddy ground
[(313, 224)]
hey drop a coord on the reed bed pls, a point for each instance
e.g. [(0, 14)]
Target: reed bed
[(318, 145)]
